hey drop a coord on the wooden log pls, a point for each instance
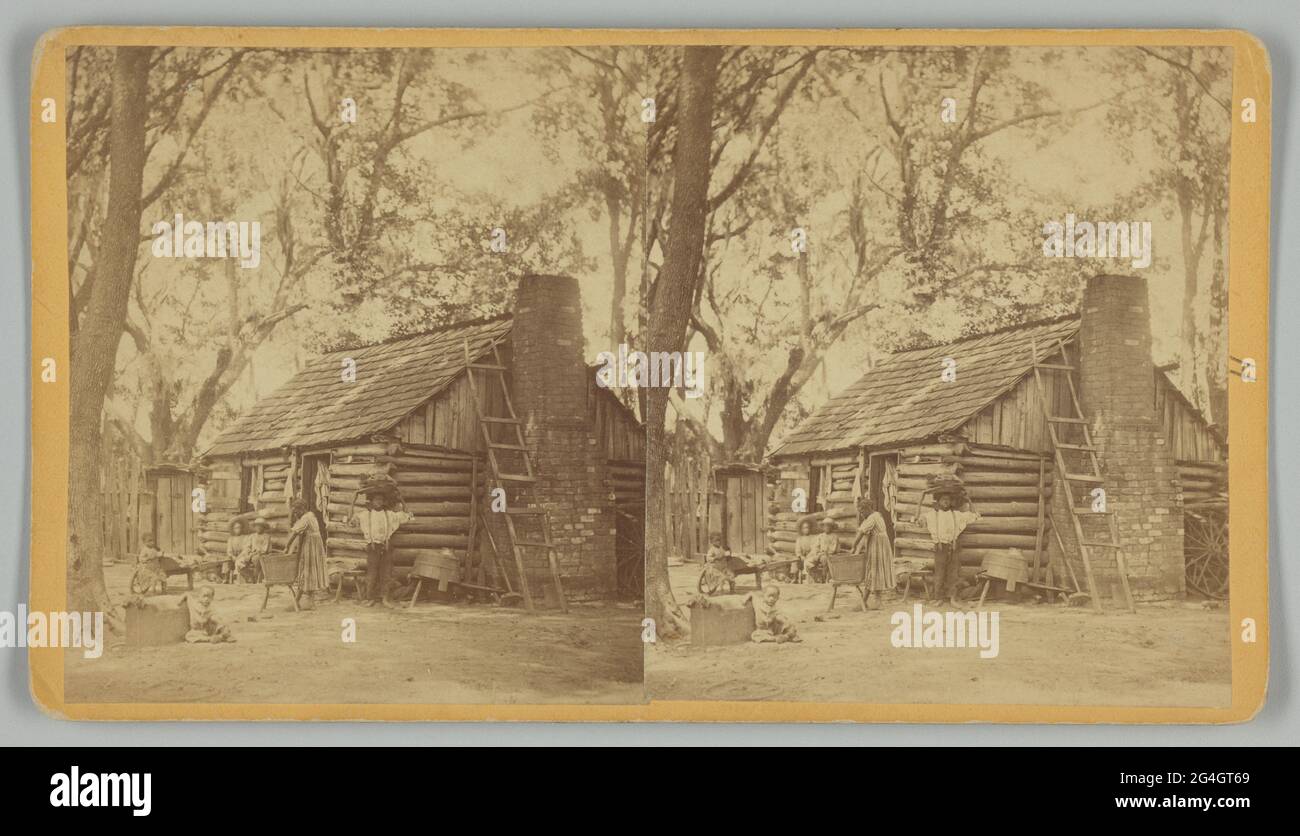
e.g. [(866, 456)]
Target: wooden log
[(927, 469), (907, 507), (371, 449), (1003, 477), (426, 509), (992, 463), (363, 469), (953, 448), (428, 541), (1002, 452), (430, 477), (428, 492), (425, 463)]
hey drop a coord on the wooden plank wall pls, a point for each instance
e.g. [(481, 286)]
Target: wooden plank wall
[(1016, 419), (1189, 437)]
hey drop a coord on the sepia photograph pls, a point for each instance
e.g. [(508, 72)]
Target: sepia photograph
[(962, 431), (336, 435)]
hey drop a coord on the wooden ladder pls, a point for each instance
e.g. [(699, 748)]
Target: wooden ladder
[(534, 518), (1087, 477)]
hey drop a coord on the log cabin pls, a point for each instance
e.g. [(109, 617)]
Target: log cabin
[(995, 420), (407, 410)]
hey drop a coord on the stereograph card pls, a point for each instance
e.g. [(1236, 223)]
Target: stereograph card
[(649, 375)]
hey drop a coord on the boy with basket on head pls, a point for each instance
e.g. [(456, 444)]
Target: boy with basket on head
[(384, 514), (946, 521)]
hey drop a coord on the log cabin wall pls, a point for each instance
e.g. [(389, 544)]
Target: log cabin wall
[(235, 485), (1004, 487), (1200, 454), (830, 484)]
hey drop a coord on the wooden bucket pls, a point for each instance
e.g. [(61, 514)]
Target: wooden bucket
[(1009, 566), (279, 568)]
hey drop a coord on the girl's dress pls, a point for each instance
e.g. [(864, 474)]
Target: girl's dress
[(880, 554), (311, 553)]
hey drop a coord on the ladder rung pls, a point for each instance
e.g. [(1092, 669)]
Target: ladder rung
[(516, 477), (541, 544), (1061, 419), (1056, 366), (1094, 545), (500, 446), (494, 419), (1083, 477), (487, 367), (1087, 448)]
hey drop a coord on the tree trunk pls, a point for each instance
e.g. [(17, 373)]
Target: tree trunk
[(671, 309), (94, 350)]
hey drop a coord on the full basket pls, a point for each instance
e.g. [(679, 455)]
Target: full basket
[(279, 568)]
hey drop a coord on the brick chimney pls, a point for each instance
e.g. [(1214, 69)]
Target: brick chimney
[(551, 394), (1117, 383)]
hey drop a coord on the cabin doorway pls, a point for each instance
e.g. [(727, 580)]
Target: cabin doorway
[(882, 481), (315, 475)]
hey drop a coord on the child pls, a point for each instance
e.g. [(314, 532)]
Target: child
[(305, 540), (770, 625), (803, 547), (204, 626), (873, 538), (817, 564), (234, 547), (945, 524), (257, 546), (717, 568), (377, 523), (149, 573)]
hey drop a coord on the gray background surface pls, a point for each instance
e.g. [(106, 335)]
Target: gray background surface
[(1277, 23)]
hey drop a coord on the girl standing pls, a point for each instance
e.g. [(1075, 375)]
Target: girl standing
[(305, 537), (880, 554)]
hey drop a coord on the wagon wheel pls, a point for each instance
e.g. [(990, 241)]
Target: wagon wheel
[(1205, 547), (139, 586)]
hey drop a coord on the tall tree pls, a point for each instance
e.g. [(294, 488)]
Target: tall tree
[(673, 297), (94, 345)]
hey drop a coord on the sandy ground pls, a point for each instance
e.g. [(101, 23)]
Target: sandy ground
[(435, 653), (1175, 654)]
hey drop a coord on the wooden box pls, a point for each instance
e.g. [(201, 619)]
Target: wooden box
[(720, 621), (151, 626)]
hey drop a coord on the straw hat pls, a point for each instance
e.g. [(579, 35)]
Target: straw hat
[(828, 523), (260, 522)]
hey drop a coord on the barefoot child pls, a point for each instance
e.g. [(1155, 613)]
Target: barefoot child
[(946, 522), (256, 546), (204, 626), (817, 564), (377, 523), (873, 539), (770, 625)]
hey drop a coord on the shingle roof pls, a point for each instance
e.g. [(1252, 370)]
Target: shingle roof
[(904, 398), (316, 406)]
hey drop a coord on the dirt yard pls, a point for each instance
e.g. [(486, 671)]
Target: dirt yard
[(1175, 654), (435, 653)]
